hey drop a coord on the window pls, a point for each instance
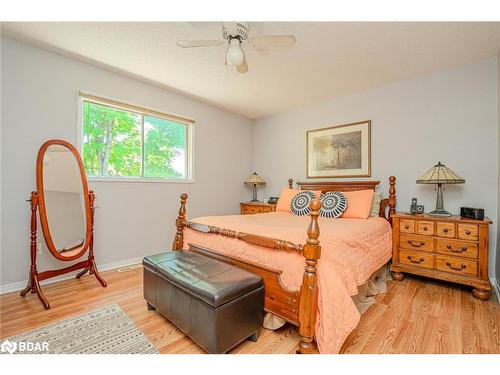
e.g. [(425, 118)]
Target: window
[(122, 141)]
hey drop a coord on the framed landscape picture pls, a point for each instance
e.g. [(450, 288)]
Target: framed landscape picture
[(339, 151)]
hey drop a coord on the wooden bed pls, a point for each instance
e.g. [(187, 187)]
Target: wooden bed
[(298, 307)]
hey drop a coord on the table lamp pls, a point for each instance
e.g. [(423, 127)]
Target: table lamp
[(254, 179), (440, 174)]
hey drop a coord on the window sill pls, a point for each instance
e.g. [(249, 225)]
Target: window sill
[(138, 180)]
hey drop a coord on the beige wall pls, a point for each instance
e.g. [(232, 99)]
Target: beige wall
[(450, 116), (39, 102)]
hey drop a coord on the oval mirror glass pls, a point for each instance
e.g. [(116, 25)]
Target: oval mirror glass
[(63, 200)]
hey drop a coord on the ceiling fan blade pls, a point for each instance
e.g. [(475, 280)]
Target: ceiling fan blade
[(198, 43), (272, 41), (243, 68)]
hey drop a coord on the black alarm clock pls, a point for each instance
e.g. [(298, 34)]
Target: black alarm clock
[(472, 213)]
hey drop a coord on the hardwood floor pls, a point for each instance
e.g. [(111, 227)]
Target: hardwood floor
[(414, 316)]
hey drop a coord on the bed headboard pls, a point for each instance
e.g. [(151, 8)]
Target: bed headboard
[(326, 186)]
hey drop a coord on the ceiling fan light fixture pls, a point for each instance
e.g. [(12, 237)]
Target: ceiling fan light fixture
[(234, 35), (235, 54)]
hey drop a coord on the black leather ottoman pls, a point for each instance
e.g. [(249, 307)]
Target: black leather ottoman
[(216, 304)]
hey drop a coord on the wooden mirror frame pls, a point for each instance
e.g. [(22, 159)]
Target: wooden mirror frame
[(41, 199), (37, 200)]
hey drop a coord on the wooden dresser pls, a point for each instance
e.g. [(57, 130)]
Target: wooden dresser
[(250, 208), (446, 248)]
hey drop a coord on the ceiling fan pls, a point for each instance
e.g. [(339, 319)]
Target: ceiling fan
[(235, 35)]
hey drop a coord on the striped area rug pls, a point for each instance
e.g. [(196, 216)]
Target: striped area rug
[(104, 331)]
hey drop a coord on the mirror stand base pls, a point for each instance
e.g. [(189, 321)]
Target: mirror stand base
[(92, 270), (83, 272), (34, 287), (35, 278)]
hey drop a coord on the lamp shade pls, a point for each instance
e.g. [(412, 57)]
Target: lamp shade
[(255, 179), (440, 174)]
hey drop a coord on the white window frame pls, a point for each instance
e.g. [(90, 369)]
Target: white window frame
[(189, 140)]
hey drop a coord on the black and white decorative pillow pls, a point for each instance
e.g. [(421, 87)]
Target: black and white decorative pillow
[(300, 203), (333, 204)]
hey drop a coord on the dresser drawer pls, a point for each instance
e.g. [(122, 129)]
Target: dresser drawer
[(416, 258), (419, 243), (407, 226), (468, 232), (457, 248), (246, 210), (444, 229), (425, 228), (455, 265)]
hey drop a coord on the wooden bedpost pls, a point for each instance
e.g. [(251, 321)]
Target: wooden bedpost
[(309, 290), (392, 196), (180, 223), (290, 183)]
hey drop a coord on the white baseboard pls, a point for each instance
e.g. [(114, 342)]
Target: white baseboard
[(496, 287), (8, 288)]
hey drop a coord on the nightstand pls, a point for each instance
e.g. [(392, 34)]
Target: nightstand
[(451, 248), (250, 208)]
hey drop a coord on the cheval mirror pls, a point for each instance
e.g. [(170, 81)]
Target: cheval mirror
[(66, 210)]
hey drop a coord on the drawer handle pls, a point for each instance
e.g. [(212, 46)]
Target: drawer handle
[(445, 230), (456, 250), (417, 243), (467, 232), (425, 228), (407, 227), (462, 266), (417, 261)]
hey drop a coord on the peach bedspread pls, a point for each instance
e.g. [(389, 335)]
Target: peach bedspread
[(352, 249)]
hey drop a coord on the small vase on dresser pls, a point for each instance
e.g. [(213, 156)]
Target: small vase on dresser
[(452, 249)]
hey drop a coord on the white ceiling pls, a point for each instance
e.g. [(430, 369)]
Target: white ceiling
[(329, 59)]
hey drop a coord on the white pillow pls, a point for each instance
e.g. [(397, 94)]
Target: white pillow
[(377, 198)]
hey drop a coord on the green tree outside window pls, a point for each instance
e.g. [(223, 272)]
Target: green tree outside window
[(120, 143)]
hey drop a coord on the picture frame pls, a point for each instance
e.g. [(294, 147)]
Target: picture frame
[(339, 151)]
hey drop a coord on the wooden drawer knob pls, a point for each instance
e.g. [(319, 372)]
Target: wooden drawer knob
[(416, 243), (467, 232), (410, 258), (407, 226), (462, 266), (445, 230), (425, 228)]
